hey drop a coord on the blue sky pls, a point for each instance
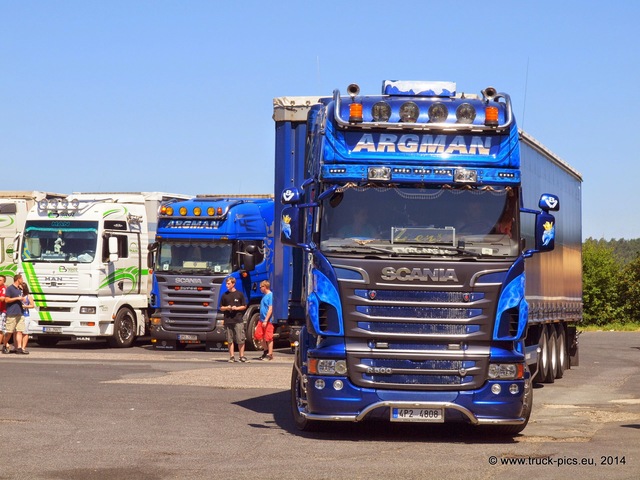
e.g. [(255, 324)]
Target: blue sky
[(177, 96)]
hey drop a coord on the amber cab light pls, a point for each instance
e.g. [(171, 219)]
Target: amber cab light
[(491, 116)]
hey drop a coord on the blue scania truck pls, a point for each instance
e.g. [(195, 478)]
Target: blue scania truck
[(199, 243), (422, 253)]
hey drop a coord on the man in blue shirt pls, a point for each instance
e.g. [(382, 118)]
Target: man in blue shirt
[(264, 329), (15, 320)]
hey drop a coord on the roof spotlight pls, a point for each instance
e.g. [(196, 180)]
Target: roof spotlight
[(409, 112), (438, 113), (465, 113), (381, 111)]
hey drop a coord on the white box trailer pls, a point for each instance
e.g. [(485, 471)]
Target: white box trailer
[(85, 259)]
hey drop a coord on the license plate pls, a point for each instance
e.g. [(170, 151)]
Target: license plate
[(52, 329), (187, 337), (429, 415)]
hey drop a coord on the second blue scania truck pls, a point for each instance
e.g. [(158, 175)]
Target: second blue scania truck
[(199, 243), (422, 251)]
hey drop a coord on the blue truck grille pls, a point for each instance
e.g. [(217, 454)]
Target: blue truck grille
[(418, 328), (407, 373), (414, 333), (419, 312), (187, 309)]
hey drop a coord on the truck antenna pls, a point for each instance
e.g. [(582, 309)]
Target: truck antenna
[(526, 85)]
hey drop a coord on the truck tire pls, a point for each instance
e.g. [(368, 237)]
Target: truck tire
[(251, 343), (552, 343), (561, 350), (299, 402), (47, 341), (543, 359), (124, 329)]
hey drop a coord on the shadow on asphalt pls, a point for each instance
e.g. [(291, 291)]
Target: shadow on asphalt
[(278, 405)]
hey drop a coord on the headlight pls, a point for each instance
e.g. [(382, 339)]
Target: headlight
[(88, 310), (321, 366), (506, 371)]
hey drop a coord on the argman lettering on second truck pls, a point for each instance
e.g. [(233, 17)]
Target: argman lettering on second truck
[(423, 285)]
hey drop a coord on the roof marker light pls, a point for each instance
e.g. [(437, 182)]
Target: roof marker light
[(355, 109), (491, 116), (355, 113), (183, 211)]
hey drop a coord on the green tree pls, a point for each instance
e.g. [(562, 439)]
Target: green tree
[(629, 290), (601, 273)]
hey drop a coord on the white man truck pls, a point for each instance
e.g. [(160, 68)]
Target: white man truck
[(85, 259)]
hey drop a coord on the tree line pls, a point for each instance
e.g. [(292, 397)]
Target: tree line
[(611, 281)]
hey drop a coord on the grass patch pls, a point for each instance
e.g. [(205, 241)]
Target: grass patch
[(615, 326)]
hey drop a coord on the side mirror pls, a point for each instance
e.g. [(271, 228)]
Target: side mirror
[(113, 249), (291, 226), (545, 228), (545, 232), (247, 259)]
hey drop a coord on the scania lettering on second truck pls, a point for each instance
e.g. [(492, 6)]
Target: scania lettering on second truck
[(199, 243), (85, 259), (423, 281)]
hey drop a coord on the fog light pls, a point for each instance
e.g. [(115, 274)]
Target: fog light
[(379, 173), (88, 310), (513, 389), (496, 388), (338, 385), (319, 384)]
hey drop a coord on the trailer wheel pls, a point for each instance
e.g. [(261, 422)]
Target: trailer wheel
[(561, 350), (124, 329), (543, 358), (552, 355), (299, 402), (251, 343)]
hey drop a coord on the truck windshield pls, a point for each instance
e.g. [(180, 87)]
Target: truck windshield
[(439, 221), (59, 241), (195, 257)]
